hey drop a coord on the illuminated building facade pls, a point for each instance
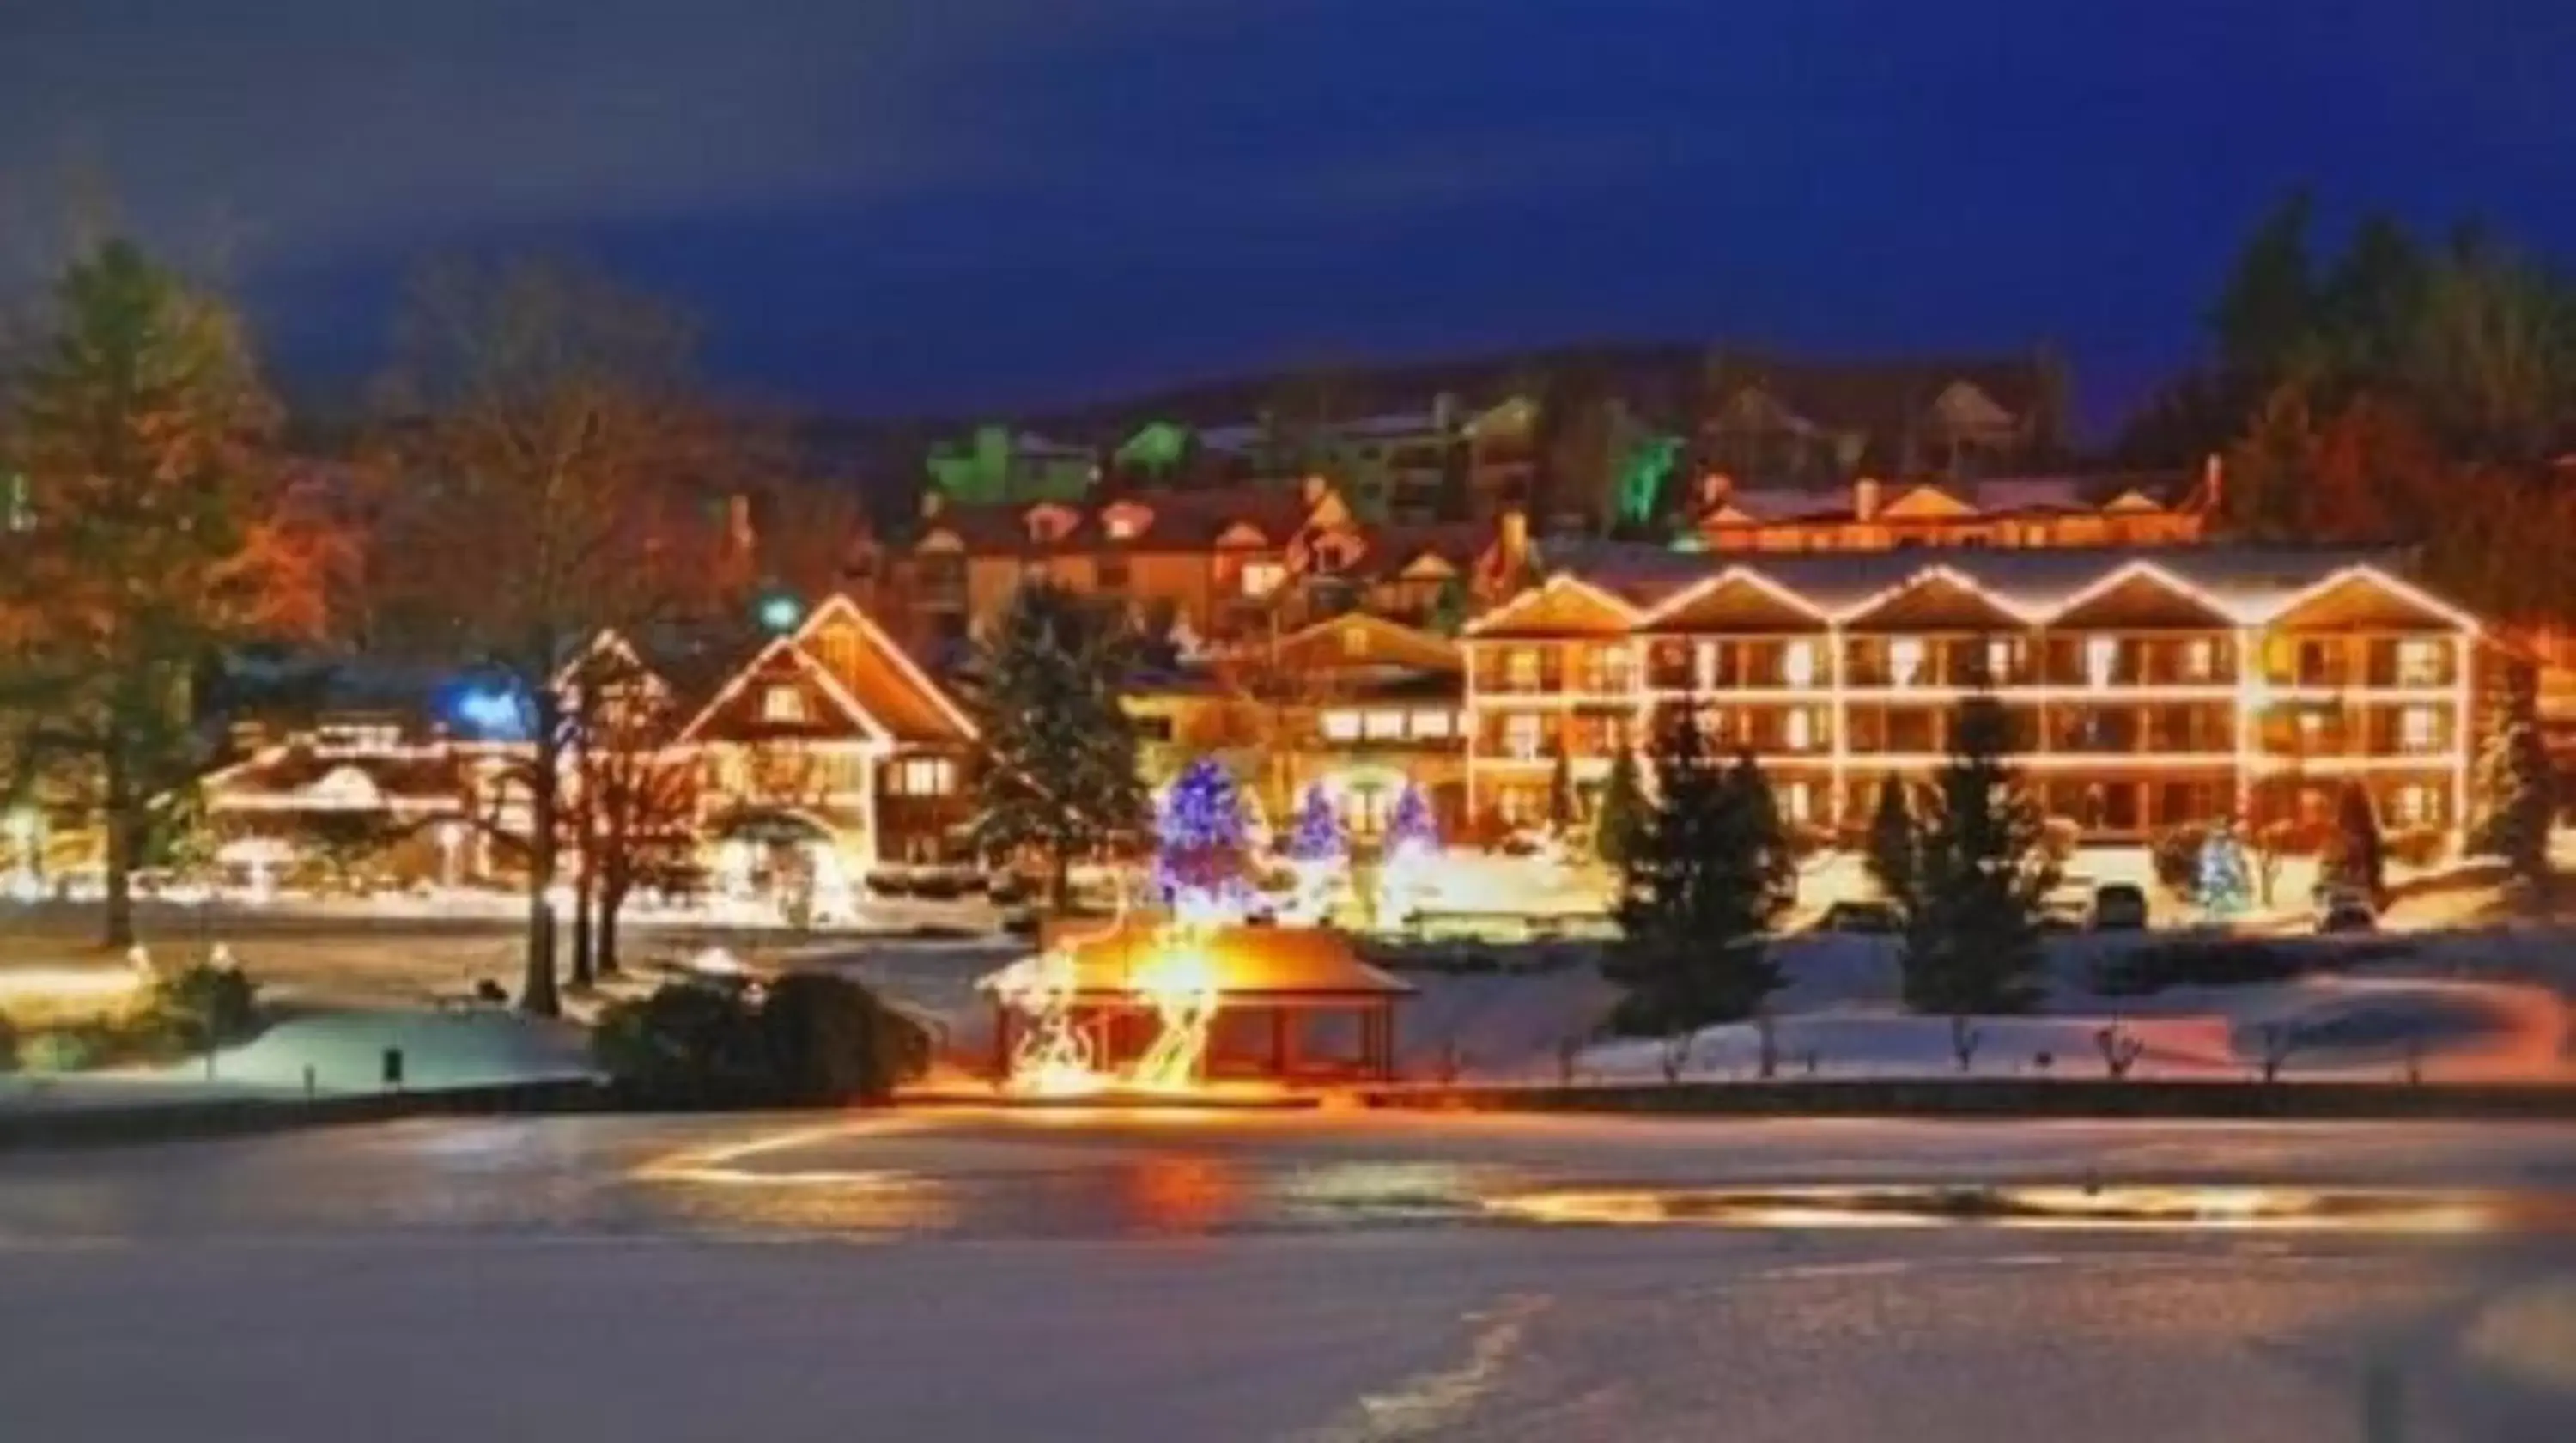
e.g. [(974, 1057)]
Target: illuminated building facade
[(2144, 690), (1227, 566), (1357, 704)]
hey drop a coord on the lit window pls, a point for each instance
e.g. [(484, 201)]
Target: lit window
[(1355, 641), (925, 777), (1434, 723), (1384, 726), (1521, 737), (2419, 663), (1905, 661), (1797, 801), (1520, 668), (1798, 664), (1704, 666), (2411, 806), (1341, 726), (2101, 654), (782, 704), (2415, 729), (1999, 658), (1799, 730), (2200, 660), (1260, 578)]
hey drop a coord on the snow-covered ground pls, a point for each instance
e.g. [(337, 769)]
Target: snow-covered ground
[(2478, 1000)]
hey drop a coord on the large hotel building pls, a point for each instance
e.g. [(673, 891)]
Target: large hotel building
[(2146, 689)]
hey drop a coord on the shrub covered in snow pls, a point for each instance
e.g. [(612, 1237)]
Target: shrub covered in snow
[(210, 1003), (831, 1041), (815, 1040)]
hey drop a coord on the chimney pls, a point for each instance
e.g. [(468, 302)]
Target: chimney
[(1313, 490), (1865, 499), (932, 498), (1714, 488), (2213, 485), (1511, 537)]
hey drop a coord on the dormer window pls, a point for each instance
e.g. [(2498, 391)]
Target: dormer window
[(782, 705), (1125, 522), (1050, 524)]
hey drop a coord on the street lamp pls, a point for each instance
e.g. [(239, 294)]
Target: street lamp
[(24, 824)]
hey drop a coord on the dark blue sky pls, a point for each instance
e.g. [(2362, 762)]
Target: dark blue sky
[(978, 204)]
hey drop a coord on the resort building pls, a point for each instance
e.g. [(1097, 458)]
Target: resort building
[(1356, 704), (2145, 690), (1223, 567), (2019, 512)]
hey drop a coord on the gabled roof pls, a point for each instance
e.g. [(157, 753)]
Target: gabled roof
[(1249, 963), (2142, 596), (1170, 521), (2364, 598), (1736, 600), (1565, 605), (738, 711), (1330, 645), (1935, 599), (1927, 503), (878, 678)]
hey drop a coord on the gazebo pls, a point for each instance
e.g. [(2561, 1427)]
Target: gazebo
[(1293, 1005)]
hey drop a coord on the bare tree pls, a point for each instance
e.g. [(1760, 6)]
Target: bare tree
[(560, 475), (634, 796)]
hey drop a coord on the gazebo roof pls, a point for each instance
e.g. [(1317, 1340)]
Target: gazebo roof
[(1252, 964)]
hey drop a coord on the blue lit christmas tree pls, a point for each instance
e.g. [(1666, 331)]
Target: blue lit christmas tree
[(1316, 835), (1200, 863), (2224, 883)]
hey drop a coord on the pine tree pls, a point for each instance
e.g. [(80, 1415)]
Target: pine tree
[(1411, 830), (140, 442), (1710, 872), (1316, 834), (2357, 856), (1203, 841), (1972, 939), (1061, 776), (1625, 814), (1889, 847), (2517, 790)]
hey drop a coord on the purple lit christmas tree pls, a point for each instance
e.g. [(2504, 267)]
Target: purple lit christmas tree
[(1201, 860), (1316, 835), (1411, 830)]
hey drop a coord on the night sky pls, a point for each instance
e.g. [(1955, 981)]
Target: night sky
[(967, 205)]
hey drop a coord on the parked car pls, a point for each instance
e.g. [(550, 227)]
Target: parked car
[(2118, 907), (2347, 914), (1872, 918)]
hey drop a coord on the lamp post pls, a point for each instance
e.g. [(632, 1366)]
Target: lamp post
[(451, 844), (24, 826)]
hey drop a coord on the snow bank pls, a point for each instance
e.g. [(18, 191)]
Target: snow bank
[(440, 1050)]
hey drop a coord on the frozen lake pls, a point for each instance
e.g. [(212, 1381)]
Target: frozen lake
[(1195, 1276)]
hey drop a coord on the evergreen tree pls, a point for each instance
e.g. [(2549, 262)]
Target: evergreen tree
[(2357, 857), (1411, 830), (1980, 874), (143, 542), (1316, 834), (2517, 791), (1203, 840), (1061, 775), (1889, 847), (1619, 832), (1709, 873)]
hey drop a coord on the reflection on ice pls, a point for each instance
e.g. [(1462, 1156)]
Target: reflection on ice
[(2177, 1207)]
